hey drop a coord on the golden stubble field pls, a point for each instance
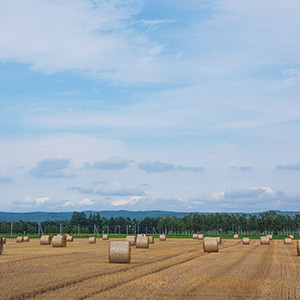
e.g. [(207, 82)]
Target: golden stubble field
[(174, 269)]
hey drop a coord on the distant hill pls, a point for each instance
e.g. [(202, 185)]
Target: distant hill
[(40, 216)]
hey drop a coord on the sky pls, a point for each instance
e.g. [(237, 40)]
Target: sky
[(143, 105)]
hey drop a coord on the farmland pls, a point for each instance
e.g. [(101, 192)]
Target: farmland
[(174, 269)]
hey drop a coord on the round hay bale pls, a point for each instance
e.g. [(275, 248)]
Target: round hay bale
[(151, 239), (200, 236), (298, 247), (288, 241), (1, 245), (142, 242), (290, 237), (45, 240), (270, 236), (219, 240), (4, 240), (19, 239), (264, 240), (162, 237), (105, 237), (131, 239), (119, 252), (245, 241), (236, 236), (210, 245), (195, 236), (59, 241), (26, 239), (69, 238), (92, 240)]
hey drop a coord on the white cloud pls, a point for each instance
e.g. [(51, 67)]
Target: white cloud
[(125, 201), (88, 36), (86, 201), (41, 200), (67, 203)]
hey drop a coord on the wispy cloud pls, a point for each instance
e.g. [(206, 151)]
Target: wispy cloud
[(5, 179), (110, 189), (158, 166), (289, 167), (112, 163), (244, 168), (51, 168)]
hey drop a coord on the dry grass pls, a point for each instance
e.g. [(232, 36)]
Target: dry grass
[(176, 270)]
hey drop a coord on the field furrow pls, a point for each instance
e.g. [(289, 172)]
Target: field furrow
[(175, 269)]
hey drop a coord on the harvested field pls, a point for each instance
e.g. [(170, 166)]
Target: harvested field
[(175, 269)]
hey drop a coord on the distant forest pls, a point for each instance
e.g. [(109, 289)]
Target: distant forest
[(223, 223)]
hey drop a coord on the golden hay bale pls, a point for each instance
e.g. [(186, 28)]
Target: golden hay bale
[(69, 238), (59, 241), (264, 240), (270, 236), (200, 236), (151, 239), (45, 240), (119, 252), (131, 239), (290, 237), (236, 236), (4, 240), (92, 240), (298, 247), (210, 245), (19, 239), (105, 237), (219, 240), (1, 245), (142, 242), (195, 236), (288, 241), (245, 241), (162, 237), (26, 239)]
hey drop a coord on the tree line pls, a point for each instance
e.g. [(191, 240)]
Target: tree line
[(218, 223)]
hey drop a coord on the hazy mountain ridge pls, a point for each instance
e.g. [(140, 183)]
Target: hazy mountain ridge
[(40, 216)]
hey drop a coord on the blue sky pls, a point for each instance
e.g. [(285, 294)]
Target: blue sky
[(138, 105)]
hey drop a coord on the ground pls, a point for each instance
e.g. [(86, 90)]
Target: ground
[(174, 269)]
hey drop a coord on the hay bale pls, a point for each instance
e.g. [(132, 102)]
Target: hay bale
[(219, 240), (288, 241), (131, 239), (298, 247), (195, 236), (4, 240), (45, 240), (26, 239), (270, 236), (151, 239), (245, 241), (69, 238), (92, 240), (210, 245), (19, 239), (200, 236), (264, 240), (105, 237), (119, 252), (162, 237), (1, 245), (236, 236), (59, 241), (290, 237), (142, 242)]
